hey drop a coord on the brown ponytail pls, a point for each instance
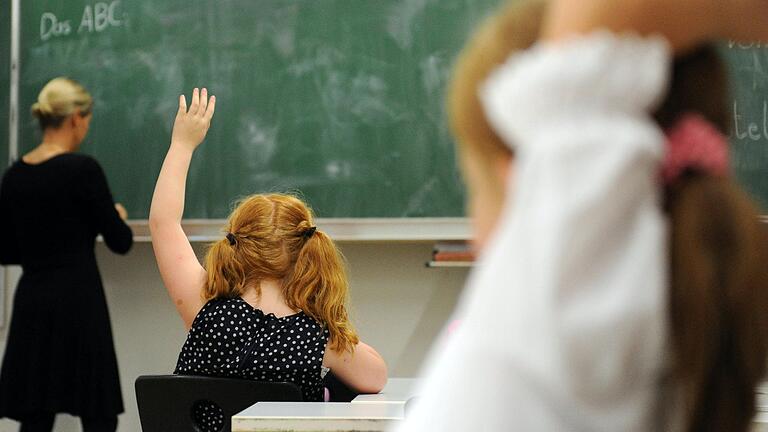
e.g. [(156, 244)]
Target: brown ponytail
[(273, 237), (718, 302), (718, 269)]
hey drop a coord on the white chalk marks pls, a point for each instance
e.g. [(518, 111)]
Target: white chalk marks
[(401, 22), (95, 18), (258, 141)]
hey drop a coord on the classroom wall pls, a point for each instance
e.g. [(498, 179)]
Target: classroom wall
[(398, 304)]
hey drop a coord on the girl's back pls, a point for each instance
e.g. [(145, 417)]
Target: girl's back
[(230, 338)]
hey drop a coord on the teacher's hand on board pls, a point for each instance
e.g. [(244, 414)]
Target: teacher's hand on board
[(684, 23), (192, 124), (121, 211)]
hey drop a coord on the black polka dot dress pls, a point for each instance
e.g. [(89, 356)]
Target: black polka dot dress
[(230, 338)]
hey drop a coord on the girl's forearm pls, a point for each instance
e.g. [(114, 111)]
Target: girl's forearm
[(168, 199)]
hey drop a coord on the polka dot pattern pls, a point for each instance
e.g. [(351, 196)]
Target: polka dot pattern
[(207, 416), (230, 338)]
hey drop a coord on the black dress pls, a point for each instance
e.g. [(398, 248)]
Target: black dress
[(230, 338), (59, 356)]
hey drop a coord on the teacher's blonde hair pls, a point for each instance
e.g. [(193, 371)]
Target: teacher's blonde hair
[(60, 98)]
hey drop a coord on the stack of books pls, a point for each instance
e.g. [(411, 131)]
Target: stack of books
[(760, 422), (762, 398), (452, 252)]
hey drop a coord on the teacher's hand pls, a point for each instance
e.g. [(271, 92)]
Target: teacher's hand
[(191, 125), (121, 211)]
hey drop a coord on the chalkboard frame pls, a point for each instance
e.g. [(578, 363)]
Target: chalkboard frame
[(375, 228), (340, 229), (8, 80)]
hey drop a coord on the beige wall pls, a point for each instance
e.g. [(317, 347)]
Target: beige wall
[(398, 304)]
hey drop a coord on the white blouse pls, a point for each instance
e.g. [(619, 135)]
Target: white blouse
[(564, 324)]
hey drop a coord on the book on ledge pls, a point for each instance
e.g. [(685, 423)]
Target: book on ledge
[(453, 256), (453, 251)]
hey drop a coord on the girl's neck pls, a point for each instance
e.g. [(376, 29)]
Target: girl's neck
[(268, 297)]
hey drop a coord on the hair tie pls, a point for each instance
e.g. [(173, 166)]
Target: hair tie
[(232, 239), (693, 143), (309, 232)]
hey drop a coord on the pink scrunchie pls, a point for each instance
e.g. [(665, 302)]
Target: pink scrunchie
[(694, 143)]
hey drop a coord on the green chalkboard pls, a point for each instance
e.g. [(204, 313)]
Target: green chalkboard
[(748, 69), (339, 100), (5, 73)]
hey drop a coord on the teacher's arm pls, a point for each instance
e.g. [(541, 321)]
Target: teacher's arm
[(182, 274), (9, 246), (100, 208)]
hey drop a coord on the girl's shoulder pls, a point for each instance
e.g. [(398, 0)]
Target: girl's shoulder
[(217, 309), (222, 306), (225, 312)]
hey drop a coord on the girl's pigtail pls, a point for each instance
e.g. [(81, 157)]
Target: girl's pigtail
[(318, 286), (226, 274)]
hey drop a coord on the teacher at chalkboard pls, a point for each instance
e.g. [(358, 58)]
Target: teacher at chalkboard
[(60, 356)]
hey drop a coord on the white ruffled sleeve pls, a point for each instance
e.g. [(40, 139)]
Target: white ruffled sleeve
[(564, 320)]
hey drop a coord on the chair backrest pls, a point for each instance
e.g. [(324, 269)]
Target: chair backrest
[(338, 391), (182, 403)]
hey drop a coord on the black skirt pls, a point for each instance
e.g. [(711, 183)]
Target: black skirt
[(60, 356)]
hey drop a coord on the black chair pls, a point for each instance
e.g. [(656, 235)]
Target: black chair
[(185, 403), (338, 391)]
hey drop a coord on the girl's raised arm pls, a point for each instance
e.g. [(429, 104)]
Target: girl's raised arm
[(684, 23), (182, 273)]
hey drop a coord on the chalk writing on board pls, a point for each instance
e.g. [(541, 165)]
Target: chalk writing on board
[(95, 19), (748, 128), (746, 45), (749, 54)]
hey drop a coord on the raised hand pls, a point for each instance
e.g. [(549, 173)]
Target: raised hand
[(191, 125), (182, 273)]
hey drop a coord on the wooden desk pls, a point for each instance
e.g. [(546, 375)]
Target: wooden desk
[(317, 417)]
